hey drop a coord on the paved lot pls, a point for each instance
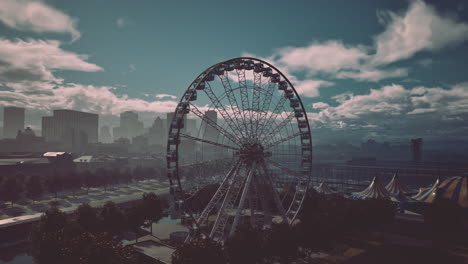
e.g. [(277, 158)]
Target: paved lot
[(29, 211)]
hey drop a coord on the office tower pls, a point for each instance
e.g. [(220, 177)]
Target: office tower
[(416, 149), (157, 134), (130, 126), (71, 127), (13, 121), (105, 135), (210, 133)]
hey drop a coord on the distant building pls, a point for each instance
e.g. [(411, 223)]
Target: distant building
[(416, 149), (13, 121), (105, 135), (192, 127), (210, 133), (129, 127), (157, 134), (72, 128)]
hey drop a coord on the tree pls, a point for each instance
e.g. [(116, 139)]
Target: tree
[(135, 218), (281, 243), (152, 209), (47, 236), (445, 220), (54, 184), (34, 187), (206, 251), (87, 217), (89, 180), (245, 246), (73, 182), (10, 190), (113, 220), (96, 248)]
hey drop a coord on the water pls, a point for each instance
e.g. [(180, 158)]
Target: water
[(17, 254)]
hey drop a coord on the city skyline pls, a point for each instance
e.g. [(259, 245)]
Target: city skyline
[(395, 72)]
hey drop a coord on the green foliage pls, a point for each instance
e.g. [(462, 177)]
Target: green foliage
[(246, 246), (87, 217), (10, 189), (34, 187), (447, 222), (151, 208), (113, 219), (54, 184), (58, 239), (204, 251)]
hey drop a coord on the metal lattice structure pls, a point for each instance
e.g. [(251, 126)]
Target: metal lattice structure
[(259, 150)]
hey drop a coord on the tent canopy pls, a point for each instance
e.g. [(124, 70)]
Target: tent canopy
[(323, 188), (395, 187), (374, 190)]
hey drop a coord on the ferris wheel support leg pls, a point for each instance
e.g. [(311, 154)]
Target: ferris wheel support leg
[(272, 188), (235, 187), (218, 195), (242, 199)]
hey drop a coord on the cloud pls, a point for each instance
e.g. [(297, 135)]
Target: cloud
[(320, 105), (89, 98), (121, 22), (20, 62), (399, 111), (36, 16), (420, 28), (373, 75), (330, 57), (310, 88), (417, 29), (162, 96)]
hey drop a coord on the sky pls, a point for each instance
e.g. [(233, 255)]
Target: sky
[(387, 70)]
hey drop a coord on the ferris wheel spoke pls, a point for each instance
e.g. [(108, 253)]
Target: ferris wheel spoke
[(266, 103), (222, 110), (229, 92), (213, 124), (256, 101), (272, 131), (273, 115), (245, 101), (285, 169), (276, 143), (207, 141)]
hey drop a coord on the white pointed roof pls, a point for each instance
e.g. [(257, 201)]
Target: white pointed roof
[(323, 188), (395, 187), (374, 190)]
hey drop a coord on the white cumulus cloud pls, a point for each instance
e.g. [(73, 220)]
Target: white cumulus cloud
[(36, 16)]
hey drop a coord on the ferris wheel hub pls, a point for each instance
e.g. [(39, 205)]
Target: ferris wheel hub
[(252, 151)]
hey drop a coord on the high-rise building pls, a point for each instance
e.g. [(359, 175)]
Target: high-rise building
[(416, 149), (130, 126), (210, 133), (13, 121), (72, 128), (157, 133), (105, 135)]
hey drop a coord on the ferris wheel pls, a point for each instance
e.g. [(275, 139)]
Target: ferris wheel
[(253, 143)]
